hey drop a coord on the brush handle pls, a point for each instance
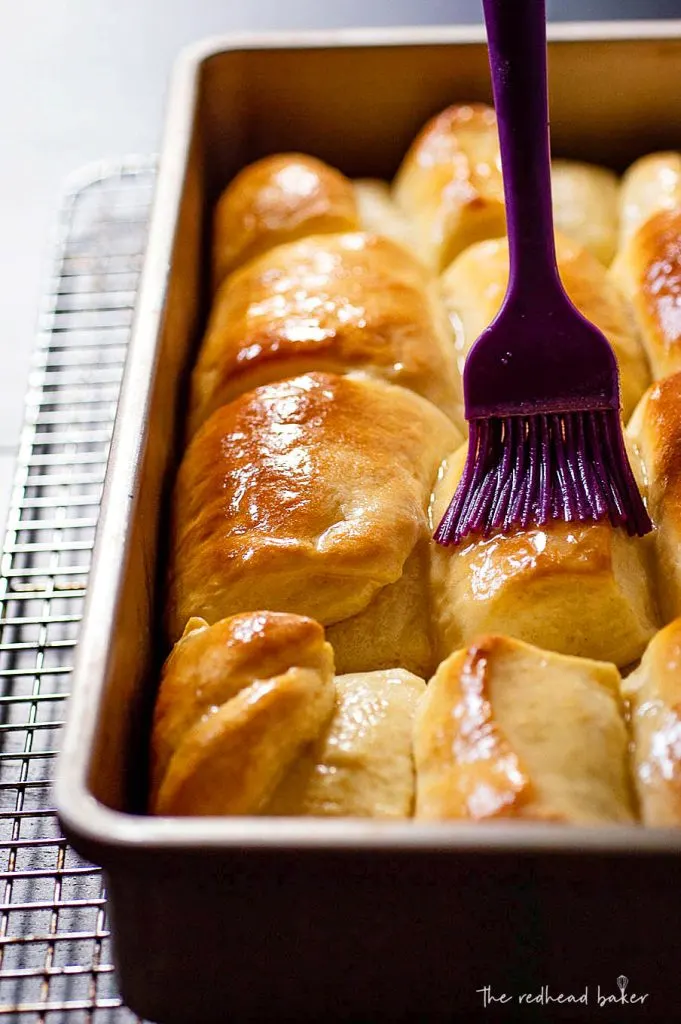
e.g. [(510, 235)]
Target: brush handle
[(516, 34)]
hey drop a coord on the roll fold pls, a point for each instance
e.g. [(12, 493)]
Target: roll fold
[(237, 702), (509, 730)]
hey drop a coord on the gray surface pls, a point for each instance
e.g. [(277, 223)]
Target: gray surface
[(82, 80)]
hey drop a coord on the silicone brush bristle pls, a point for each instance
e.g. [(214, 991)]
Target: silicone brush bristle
[(526, 470)]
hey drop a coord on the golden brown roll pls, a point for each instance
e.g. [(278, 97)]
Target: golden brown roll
[(651, 184), (238, 702), (654, 693), (278, 199), (578, 589), (648, 272), (310, 496), (449, 183), (330, 302), (586, 206), (380, 214), (509, 730), (361, 764), (655, 430), (473, 289)]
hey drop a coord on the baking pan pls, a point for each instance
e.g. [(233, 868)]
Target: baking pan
[(215, 919)]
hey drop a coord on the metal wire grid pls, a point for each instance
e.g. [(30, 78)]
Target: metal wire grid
[(55, 957)]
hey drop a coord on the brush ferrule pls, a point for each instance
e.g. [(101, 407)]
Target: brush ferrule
[(529, 408)]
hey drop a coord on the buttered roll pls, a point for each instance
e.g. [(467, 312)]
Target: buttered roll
[(655, 430), (238, 701), (581, 589), (340, 303), (449, 184), (510, 730), (311, 496), (278, 199), (648, 272), (651, 184), (654, 694)]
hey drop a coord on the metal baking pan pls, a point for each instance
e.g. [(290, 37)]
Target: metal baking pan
[(253, 918)]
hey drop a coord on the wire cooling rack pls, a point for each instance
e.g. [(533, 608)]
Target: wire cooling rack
[(55, 956)]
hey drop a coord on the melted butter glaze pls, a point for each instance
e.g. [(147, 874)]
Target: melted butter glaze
[(659, 250), (653, 692), (664, 756), (295, 180), (211, 664), (462, 140), (651, 184), (465, 766), (276, 200), (307, 495), (494, 562), (450, 183), (490, 778), (343, 302), (659, 440), (362, 710), (269, 450)]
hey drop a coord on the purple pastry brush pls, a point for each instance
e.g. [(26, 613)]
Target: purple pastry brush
[(541, 385)]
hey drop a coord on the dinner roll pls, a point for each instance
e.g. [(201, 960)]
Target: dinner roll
[(278, 199), (361, 764), (238, 701), (648, 272), (311, 496), (654, 692), (473, 288), (380, 214), (651, 184), (449, 183), (655, 430), (586, 206), (329, 302), (576, 588), (509, 730)]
